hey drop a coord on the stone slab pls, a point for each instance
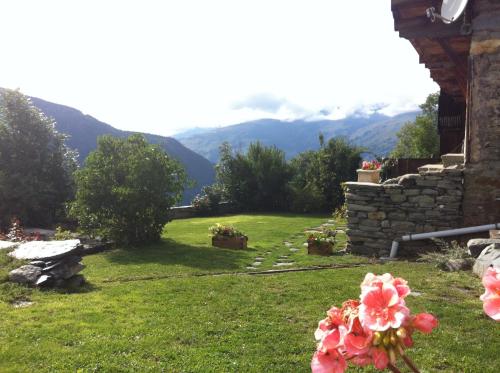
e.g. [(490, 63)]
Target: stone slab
[(26, 274), (489, 256), (477, 245), (283, 264), (4, 245), (45, 250)]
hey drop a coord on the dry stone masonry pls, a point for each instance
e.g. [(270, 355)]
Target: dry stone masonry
[(482, 180), (413, 203)]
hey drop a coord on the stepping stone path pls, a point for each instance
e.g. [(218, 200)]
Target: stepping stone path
[(283, 264)]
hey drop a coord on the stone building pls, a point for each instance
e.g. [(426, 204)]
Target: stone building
[(464, 59)]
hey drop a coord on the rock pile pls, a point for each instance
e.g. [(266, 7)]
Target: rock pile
[(52, 263)]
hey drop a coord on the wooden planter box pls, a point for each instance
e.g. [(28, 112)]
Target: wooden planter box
[(325, 249), (368, 176), (230, 242)]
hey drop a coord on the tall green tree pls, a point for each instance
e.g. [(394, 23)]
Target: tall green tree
[(256, 180), (420, 139), (35, 165), (338, 161), (126, 189)]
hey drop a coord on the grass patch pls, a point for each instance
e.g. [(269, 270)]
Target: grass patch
[(228, 323)]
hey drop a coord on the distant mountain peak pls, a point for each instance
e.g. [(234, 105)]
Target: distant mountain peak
[(83, 131), (376, 131)]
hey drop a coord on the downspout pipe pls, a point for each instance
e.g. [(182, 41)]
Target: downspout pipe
[(438, 234)]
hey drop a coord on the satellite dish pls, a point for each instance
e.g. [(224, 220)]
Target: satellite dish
[(451, 10)]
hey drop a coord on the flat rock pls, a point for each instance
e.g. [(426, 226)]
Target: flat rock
[(26, 274), (256, 264), (477, 245), (46, 250), (66, 270), (288, 244), (283, 264), (490, 256), (38, 263), (4, 245), (294, 250), (22, 304), (260, 259), (251, 268)]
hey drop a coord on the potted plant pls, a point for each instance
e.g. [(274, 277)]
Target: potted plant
[(321, 242), (369, 172), (228, 237)]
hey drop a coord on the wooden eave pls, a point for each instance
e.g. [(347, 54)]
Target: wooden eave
[(441, 47)]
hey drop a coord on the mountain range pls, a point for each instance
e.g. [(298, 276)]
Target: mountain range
[(376, 132), (83, 131)]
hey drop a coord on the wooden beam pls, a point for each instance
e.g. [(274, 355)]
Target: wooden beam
[(422, 27)]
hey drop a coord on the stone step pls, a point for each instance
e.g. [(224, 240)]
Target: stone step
[(430, 167), (452, 159)]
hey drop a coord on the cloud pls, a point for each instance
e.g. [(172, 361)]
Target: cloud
[(262, 101)]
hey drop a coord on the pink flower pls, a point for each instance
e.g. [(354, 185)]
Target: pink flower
[(331, 362), (332, 339), (424, 322), (491, 296), (380, 358), (381, 306), (400, 284), (357, 341), (331, 323)]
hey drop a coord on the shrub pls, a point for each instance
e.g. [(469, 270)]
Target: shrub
[(256, 180), (126, 189), (207, 202), (449, 251), (62, 234)]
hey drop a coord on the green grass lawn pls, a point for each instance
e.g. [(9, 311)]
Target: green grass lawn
[(159, 308)]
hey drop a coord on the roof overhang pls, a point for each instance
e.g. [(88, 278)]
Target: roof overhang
[(442, 47)]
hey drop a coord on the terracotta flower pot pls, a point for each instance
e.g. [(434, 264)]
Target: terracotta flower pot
[(368, 176), (230, 242), (324, 248)]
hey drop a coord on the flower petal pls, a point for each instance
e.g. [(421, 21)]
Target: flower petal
[(491, 307)]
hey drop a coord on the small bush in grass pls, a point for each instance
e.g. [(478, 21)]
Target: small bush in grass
[(207, 202), (62, 234), (448, 251), (126, 189)]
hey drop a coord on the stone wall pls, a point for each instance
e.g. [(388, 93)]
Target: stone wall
[(482, 175), (185, 212), (413, 203)]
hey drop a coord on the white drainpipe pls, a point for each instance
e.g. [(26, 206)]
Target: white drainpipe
[(447, 233)]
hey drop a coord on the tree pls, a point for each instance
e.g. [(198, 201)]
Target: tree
[(338, 162), (256, 180), (35, 165), (126, 189), (318, 175), (420, 139), (305, 195)]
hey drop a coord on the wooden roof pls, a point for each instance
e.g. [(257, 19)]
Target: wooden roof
[(441, 47)]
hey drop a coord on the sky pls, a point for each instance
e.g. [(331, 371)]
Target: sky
[(163, 66)]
